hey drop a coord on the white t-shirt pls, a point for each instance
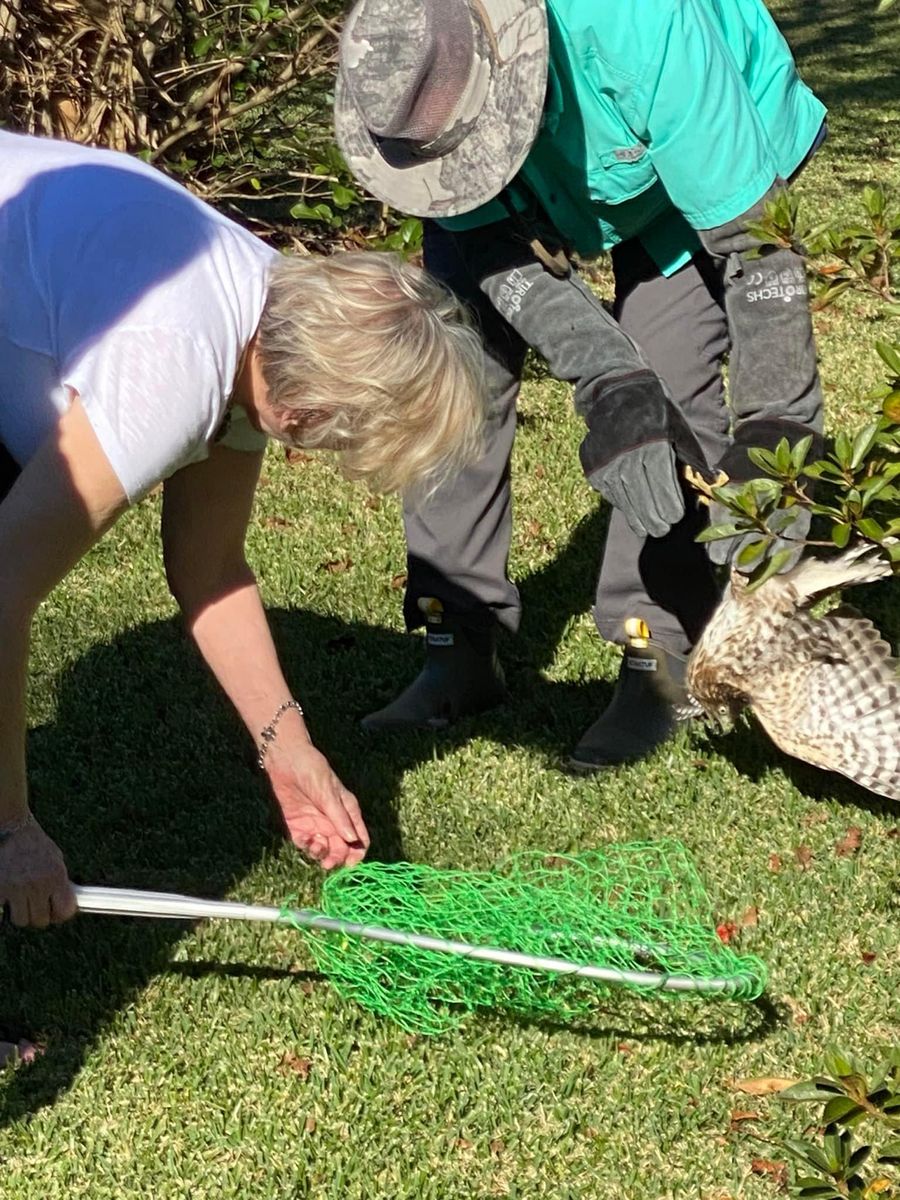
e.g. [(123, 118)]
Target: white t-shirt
[(117, 282)]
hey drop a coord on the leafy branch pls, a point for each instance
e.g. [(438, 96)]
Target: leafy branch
[(864, 256), (853, 492), (837, 1166)]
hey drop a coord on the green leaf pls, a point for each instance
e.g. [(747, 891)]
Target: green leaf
[(891, 407), (874, 200), (843, 449), (783, 456), (816, 1189), (303, 212), (766, 492), (889, 355), (715, 533), (839, 1107), (890, 1152), (857, 1158), (863, 443), (870, 528), (817, 470), (203, 45), (813, 1089), (764, 459), (411, 230), (753, 552), (840, 534), (800, 451), (778, 560), (342, 196), (809, 1153)]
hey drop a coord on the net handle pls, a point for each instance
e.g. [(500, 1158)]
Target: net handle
[(133, 902)]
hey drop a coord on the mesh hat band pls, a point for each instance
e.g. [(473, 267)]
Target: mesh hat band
[(423, 107)]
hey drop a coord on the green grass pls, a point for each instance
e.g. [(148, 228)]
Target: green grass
[(211, 1062)]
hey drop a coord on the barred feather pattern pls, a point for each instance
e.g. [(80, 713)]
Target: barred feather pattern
[(825, 689)]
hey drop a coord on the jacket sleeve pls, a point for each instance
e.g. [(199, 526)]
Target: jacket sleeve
[(694, 110), (711, 150)]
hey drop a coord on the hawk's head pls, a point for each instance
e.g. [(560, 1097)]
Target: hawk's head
[(714, 701)]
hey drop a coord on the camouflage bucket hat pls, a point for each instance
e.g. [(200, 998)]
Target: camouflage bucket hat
[(439, 101)]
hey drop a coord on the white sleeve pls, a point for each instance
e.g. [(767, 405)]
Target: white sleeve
[(155, 399)]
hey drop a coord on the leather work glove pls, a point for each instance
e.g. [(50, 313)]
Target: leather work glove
[(630, 453), (735, 463)]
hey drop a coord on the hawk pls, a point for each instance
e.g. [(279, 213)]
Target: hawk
[(825, 689)]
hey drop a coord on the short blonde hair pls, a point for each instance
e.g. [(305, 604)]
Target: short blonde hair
[(376, 360)]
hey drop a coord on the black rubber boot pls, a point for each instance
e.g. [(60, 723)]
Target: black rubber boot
[(644, 710), (462, 675)]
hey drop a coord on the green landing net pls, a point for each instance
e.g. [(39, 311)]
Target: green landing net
[(545, 936)]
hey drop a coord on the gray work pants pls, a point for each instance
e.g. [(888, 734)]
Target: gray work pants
[(458, 542)]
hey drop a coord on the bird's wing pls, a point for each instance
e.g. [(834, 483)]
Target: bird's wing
[(833, 699), (861, 563)]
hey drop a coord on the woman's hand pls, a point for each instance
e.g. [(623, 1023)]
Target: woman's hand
[(34, 882), (322, 818)]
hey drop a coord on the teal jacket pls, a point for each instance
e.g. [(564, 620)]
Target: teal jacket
[(662, 117)]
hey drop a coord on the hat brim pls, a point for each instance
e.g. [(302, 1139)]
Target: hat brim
[(495, 146)]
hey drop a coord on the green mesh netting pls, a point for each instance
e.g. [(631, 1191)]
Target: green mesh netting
[(638, 910)]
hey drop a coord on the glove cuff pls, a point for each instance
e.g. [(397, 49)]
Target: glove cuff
[(623, 414)]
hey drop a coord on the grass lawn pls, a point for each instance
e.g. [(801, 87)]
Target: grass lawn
[(212, 1061)]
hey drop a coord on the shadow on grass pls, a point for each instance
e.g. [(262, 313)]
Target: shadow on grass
[(146, 779), (671, 1020)]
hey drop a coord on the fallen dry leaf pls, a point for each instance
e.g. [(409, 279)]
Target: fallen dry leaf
[(749, 918), (533, 528), (804, 856), (398, 581), (742, 1114), (292, 1063), (462, 1144), (849, 843), (765, 1085), (276, 523), (815, 816), (868, 957), (766, 1166), (775, 862), (497, 1146), (337, 566), (373, 502), (311, 1124), (800, 1015), (539, 472), (296, 457)]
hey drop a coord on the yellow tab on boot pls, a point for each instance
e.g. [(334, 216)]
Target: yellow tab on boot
[(637, 631), (431, 608)]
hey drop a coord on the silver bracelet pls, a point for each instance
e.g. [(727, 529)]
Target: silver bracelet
[(7, 831), (270, 732)]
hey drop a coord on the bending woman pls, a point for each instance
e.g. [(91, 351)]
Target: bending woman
[(146, 337)]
